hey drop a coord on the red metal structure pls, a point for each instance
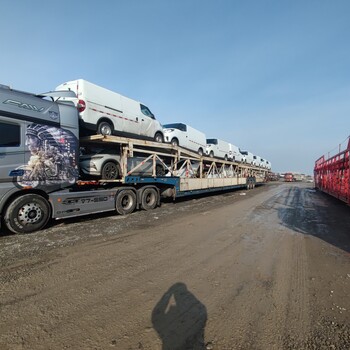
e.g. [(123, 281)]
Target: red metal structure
[(332, 175)]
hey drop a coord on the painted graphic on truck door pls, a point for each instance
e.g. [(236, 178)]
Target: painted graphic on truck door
[(53, 158)]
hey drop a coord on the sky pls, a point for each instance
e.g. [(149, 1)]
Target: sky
[(271, 77)]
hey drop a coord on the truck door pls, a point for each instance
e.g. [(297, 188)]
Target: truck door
[(12, 147)]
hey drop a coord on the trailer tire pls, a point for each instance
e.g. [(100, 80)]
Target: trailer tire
[(27, 213), (149, 198), (125, 202)]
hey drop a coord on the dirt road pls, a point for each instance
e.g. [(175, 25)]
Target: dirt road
[(264, 269)]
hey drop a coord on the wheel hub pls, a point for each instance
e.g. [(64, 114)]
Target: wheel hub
[(30, 213)]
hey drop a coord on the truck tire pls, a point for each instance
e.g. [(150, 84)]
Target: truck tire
[(27, 213), (110, 171), (105, 128), (200, 151), (158, 137), (211, 154), (125, 202), (149, 198)]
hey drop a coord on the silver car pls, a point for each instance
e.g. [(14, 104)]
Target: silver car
[(104, 163)]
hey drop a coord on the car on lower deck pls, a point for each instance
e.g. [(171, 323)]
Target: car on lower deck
[(105, 164)]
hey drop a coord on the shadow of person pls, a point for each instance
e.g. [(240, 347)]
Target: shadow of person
[(179, 319)]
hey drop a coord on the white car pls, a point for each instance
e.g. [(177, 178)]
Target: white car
[(179, 134), (105, 163), (247, 157), (235, 154), (106, 112), (219, 149)]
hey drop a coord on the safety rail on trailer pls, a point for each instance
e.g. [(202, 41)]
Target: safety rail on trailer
[(332, 175), (178, 161)]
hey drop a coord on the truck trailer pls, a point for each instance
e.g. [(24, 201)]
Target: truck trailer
[(332, 174), (40, 178)]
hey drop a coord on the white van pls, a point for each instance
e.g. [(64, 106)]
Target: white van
[(258, 161), (268, 165), (247, 157), (218, 148), (106, 112), (235, 154), (179, 134)]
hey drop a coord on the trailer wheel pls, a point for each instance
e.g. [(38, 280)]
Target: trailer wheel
[(125, 202), (27, 213), (149, 198), (104, 128)]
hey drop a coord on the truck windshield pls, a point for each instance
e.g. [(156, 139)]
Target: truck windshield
[(212, 141), (179, 126)]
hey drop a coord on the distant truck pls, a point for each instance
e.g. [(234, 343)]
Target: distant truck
[(106, 112), (289, 177)]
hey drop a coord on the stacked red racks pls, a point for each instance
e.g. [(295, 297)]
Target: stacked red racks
[(332, 175)]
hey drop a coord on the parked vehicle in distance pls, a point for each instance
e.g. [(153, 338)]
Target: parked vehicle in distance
[(289, 177), (235, 154), (247, 156), (183, 135), (106, 112), (218, 148), (104, 163)]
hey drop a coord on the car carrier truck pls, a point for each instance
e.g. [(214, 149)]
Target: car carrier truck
[(332, 174), (39, 166)]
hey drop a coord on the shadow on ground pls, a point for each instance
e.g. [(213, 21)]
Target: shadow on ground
[(315, 213), (179, 319)]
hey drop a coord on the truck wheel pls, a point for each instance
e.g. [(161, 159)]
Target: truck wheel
[(211, 154), (225, 158), (125, 202), (27, 213), (149, 198), (110, 171), (200, 152), (104, 128), (158, 137), (175, 142)]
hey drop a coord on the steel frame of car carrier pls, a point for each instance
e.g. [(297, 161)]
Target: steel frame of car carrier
[(188, 174), (332, 175)]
